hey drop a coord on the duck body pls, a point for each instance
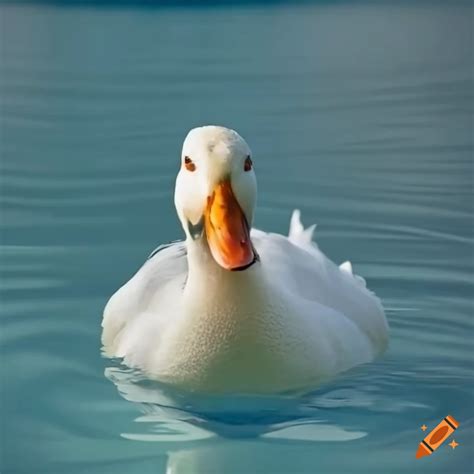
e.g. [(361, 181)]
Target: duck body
[(235, 309), (288, 322)]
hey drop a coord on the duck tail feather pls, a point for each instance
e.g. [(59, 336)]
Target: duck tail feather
[(298, 234)]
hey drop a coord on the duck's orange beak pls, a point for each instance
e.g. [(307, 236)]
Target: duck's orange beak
[(227, 230)]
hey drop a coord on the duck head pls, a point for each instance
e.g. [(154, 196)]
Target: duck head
[(215, 195)]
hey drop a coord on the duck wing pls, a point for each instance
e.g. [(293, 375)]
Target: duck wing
[(295, 265), (164, 273)]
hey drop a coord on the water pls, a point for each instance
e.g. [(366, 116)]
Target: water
[(358, 113)]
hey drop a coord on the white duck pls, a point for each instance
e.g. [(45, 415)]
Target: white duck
[(237, 310)]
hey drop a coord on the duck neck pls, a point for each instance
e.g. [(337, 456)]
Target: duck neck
[(213, 283)]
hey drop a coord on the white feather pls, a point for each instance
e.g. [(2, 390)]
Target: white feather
[(346, 267)]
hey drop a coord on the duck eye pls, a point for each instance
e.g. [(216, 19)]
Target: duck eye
[(188, 163), (248, 164)]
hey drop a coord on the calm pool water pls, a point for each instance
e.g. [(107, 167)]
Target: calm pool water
[(359, 114)]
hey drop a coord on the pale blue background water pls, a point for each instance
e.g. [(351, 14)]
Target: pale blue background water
[(358, 113)]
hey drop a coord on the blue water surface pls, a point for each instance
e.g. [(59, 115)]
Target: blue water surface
[(358, 113)]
